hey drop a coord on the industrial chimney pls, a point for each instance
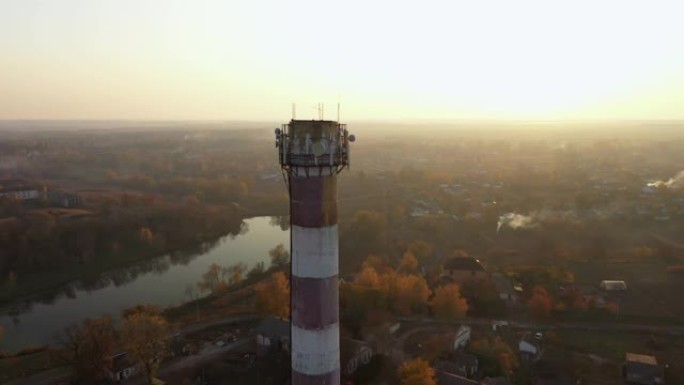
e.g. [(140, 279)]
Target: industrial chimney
[(312, 153)]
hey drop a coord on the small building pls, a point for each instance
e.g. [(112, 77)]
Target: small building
[(504, 287), (18, 189), (64, 199), (459, 363), (529, 348), (444, 378), (461, 269), (609, 285), (496, 381), (498, 325), (643, 370), (122, 367), (353, 354), (273, 335), (462, 337)]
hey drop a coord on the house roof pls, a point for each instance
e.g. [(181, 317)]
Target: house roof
[(350, 348), (527, 338), (613, 285), (503, 285), (444, 378), (464, 359), (274, 327), (462, 330), (496, 381), (463, 263), (459, 364), (450, 367), (121, 361), (641, 358), (643, 369)]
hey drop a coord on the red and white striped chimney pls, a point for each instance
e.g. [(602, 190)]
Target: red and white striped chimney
[(312, 153)]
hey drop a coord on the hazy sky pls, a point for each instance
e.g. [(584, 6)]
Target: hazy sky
[(235, 59)]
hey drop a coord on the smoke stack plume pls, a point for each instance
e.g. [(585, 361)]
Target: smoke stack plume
[(515, 221), (675, 182)]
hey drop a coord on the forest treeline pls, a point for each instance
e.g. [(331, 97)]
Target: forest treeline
[(125, 230)]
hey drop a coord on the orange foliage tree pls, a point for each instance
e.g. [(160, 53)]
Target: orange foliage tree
[(145, 336), (540, 303), (272, 297), (87, 348), (408, 264), (421, 249), (497, 351), (448, 304), (416, 372), (406, 293)]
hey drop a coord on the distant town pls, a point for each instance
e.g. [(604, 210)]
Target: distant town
[(469, 254)]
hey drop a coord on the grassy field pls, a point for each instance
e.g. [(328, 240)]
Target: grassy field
[(610, 348), (20, 366)]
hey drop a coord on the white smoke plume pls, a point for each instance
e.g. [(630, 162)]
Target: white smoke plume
[(535, 218), (675, 182), (515, 221)]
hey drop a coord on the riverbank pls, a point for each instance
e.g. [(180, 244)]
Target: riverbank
[(217, 309), (46, 285), (165, 282)]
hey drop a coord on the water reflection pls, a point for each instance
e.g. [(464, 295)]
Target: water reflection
[(162, 281)]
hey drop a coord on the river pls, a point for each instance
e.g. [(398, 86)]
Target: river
[(162, 281)]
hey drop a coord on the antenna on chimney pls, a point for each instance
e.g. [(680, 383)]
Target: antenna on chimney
[(338, 108), (294, 111)]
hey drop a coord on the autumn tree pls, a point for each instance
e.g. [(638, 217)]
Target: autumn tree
[(272, 297), (379, 263), (495, 355), (407, 293), (483, 298), (257, 270), (421, 250), (366, 229), (434, 346), (145, 336), (279, 256), (416, 372), (234, 273), (408, 264), (540, 303), (368, 277), (87, 348), (212, 280), (448, 304)]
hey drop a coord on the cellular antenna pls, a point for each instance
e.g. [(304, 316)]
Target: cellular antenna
[(338, 108), (294, 111)]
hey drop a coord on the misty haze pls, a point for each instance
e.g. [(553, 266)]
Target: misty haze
[(360, 193)]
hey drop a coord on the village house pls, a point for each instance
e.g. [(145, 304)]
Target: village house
[(529, 348), (462, 337), (18, 189), (459, 363), (609, 285), (462, 269), (122, 367), (504, 287), (643, 370), (354, 354), (273, 335), (444, 378), (496, 381)]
